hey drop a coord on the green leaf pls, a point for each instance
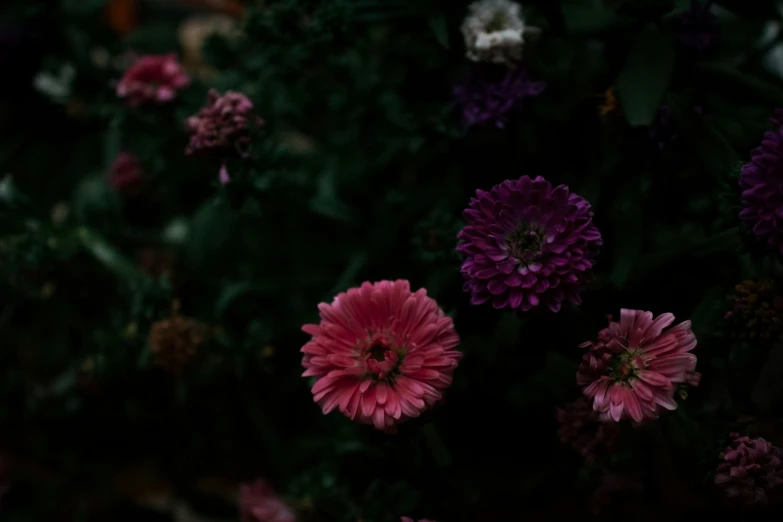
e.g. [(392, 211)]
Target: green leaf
[(107, 255), (327, 203), (208, 234), (715, 151), (628, 219), (440, 29), (584, 19), (643, 82)]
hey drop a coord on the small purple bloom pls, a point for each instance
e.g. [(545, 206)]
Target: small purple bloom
[(487, 95), (698, 29), (223, 176), (528, 244), (222, 124), (761, 181)]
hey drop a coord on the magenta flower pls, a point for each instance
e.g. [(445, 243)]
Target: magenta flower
[(761, 181), (152, 79), (632, 369), (222, 124), (258, 502), (381, 354), (127, 175), (581, 429), (528, 244), (750, 470)]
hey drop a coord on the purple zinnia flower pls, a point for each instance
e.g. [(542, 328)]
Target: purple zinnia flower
[(223, 123), (761, 181), (750, 469), (528, 244), (698, 27), (488, 95)]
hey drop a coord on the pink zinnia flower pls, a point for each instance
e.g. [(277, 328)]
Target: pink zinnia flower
[(632, 369), (127, 174), (258, 502), (750, 470), (381, 354), (223, 124), (581, 428), (153, 78)]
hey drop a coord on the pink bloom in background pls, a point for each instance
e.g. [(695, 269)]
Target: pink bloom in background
[(222, 124), (223, 176), (258, 502), (152, 79), (750, 470), (632, 369), (127, 174), (581, 428), (381, 354)]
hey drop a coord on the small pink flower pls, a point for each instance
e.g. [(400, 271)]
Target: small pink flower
[(152, 78), (581, 428), (223, 176), (222, 124), (127, 175), (258, 502), (632, 369), (381, 354), (751, 470)]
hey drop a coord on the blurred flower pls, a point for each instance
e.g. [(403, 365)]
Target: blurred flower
[(152, 78), (56, 86), (617, 493), (122, 15), (611, 104), (175, 342), (664, 130), (698, 27), (127, 175), (759, 308), (750, 470), (487, 96), (632, 369), (258, 502), (222, 124), (762, 190), (381, 354), (528, 244), (194, 32), (493, 31), (581, 429), (223, 176)]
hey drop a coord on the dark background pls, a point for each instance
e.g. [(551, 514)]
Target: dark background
[(361, 173)]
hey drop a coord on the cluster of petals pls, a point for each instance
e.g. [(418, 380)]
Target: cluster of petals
[(152, 79), (223, 124), (750, 470), (528, 244), (494, 32), (258, 502), (381, 353), (581, 428), (761, 181), (631, 371), (488, 95)]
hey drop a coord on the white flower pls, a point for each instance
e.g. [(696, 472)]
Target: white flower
[(56, 86), (493, 31)]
